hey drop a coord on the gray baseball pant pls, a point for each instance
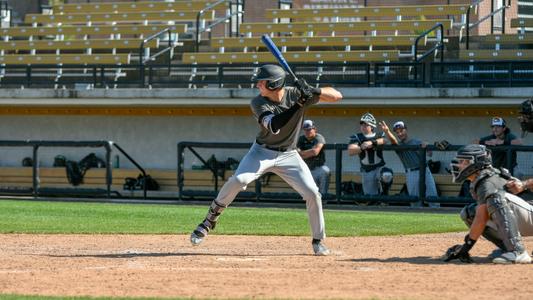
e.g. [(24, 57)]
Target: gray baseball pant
[(413, 188), (321, 178), (290, 167), (523, 212), (371, 181)]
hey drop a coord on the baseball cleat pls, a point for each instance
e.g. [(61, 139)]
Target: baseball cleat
[(320, 249), (495, 253), (513, 258), (197, 238)]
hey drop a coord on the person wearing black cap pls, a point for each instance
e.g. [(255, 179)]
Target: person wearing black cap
[(311, 148), (501, 135), (411, 162)]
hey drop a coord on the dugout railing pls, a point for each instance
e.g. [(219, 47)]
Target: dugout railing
[(37, 191), (256, 194)]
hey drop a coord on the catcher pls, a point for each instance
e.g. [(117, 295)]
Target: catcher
[(499, 216)]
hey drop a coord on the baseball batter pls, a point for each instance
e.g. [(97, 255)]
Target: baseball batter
[(279, 111), (499, 216)]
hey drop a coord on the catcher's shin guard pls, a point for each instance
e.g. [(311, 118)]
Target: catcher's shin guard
[(504, 218), (467, 215)]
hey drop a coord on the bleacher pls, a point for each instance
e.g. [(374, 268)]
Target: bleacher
[(381, 34), (92, 34)]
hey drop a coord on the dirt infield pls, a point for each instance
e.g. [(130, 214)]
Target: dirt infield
[(402, 267)]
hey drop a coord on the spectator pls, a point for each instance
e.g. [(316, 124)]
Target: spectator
[(376, 178), (501, 135), (311, 148), (411, 162)]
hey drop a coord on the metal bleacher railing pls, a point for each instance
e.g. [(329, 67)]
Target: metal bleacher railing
[(355, 74), (339, 197)]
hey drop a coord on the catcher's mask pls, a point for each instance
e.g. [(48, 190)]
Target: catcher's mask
[(369, 119), (468, 160), (526, 116), (273, 74)]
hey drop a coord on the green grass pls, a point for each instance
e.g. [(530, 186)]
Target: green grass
[(101, 218)]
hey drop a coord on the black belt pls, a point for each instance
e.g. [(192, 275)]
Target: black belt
[(279, 149), (413, 169)]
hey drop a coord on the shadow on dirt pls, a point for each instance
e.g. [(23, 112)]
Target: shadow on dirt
[(419, 260), (177, 254)]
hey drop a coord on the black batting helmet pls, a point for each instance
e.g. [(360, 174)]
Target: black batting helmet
[(478, 157), (273, 74)]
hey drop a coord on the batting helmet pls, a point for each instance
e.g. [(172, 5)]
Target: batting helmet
[(478, 157), (526, 118), (369, 119), (273, 74)]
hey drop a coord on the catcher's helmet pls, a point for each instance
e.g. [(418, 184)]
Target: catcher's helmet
[(478, 157), (526, 118), (369, 119), (273, 74)]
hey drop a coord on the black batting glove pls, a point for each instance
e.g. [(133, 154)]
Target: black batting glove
[(307, 92)]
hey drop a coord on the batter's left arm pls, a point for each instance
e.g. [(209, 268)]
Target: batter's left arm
[(329, 94)]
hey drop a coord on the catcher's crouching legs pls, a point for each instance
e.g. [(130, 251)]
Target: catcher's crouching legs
[(209, 223), (502, 215), (467, 215)]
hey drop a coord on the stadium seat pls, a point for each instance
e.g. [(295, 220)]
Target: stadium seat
[(83, 18), (321, 41), (369, 11), (508, 54), (24, 31), (102, 44), (53, 59), (292, 56), (143, 6), (521, 22), (315, 27)]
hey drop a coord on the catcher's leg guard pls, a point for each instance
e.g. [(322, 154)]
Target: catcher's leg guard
[(207, 224), (386, 176), (467, 215), (504, 218)]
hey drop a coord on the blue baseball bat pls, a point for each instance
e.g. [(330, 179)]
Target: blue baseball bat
[(277, 54)]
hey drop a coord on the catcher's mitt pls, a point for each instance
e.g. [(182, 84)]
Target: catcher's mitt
[(442, 145), (457, 252)]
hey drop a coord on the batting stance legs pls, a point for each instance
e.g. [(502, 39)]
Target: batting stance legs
[(289, 166)]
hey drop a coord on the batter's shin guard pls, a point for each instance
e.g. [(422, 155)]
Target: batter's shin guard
[(211, 219), (468, 214), (504, 218)]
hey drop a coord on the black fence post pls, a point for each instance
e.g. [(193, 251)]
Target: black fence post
[(422, 175), (338, 172), (108, 174), (36, 179), (181, 158)]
